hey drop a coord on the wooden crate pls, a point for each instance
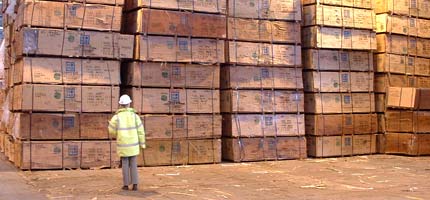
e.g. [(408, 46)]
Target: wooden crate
[(65, 98), (347, 3), (96, 154), (249, 53), (384, 81), (208, 6), (338, 81), (407, 144), (260, 149), (419, 8), (263, 30), (402, 64), (400, 44), (68, 15), (338, 38), (407, 121), (329, 16), (325, 103), (345, 60), (341, 124), (105, 2), (262, 9), (407, 97), (182, 152), (178, 49), (177, 23), (402, 25), (259, 125), (66, 71), (182, 126), (252, 77), (42, 41), (155, 100), (257, 101), (142, 74), (347, 145)]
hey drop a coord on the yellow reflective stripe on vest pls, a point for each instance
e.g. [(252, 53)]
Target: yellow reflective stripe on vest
[(128, 145)]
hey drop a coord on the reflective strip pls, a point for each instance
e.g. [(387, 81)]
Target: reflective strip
[(117, 122), (141, 125), (111, 127), (128, 145), (127, 129)]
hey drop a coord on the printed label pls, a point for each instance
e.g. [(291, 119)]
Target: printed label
[(85, 39), (345, 78), (73, 150), (411, 61), (268, 121), (347, 99), (347, 34), (70, 93), (348, 141), (183, 45), (348, 120), (265, 73), (344, 57), (174, 97), (69, 122), (70, 67), (180, 123)]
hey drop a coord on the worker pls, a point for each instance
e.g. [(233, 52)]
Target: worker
[(128, 129)]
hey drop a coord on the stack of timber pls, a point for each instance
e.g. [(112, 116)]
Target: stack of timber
[(338, 40), (64, 82), (262, 88), (174, 79), (403, 76)]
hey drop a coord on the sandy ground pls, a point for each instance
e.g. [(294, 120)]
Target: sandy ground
[(365, 177)]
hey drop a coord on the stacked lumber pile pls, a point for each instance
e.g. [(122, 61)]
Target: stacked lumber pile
[(402, 81), (338, 40), (63, 82), (174, 79), (262, 88)]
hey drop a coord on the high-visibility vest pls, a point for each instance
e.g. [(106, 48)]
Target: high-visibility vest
[(128, 129)]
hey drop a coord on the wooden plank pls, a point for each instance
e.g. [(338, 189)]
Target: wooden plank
[(264, 54), (171, 49), (258, 125), (171, 75), (254, 101), (167, 22), (402, 64), (66, 70), (333, 146), (182, 126), (153, 100), (338, 38), (42, 41), (344, 124), (209, 6), (252, 77), (65, 98), (263, 30), (338, 81), (407, 144), (96, 154), (338, 17), (339, 103), (204, 151), (407, 121), (263, 9), (349, 3), (323, 59), (71, 15), (260, 149)]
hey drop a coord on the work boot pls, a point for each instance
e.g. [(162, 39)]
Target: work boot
[(134, 187), (125, 187)]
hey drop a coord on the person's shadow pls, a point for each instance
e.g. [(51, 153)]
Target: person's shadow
[(139, 193)]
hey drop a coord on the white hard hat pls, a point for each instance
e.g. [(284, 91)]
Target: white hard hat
[(124, 100)]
